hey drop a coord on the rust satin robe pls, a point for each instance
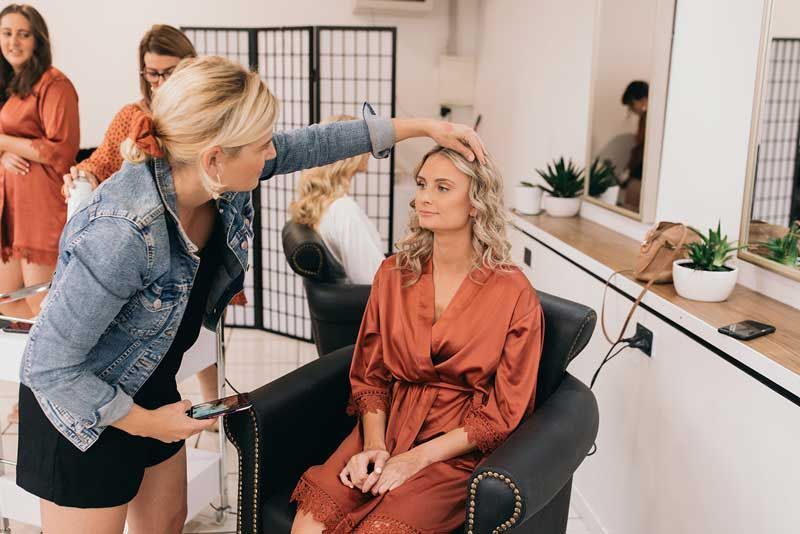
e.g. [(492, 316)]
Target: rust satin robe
[(32, 207), (475, 368)]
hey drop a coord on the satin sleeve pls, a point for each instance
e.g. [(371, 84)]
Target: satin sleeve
[(511, 396)]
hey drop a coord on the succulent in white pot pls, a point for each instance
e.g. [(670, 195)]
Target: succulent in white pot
[(527, 198), (603, 181), (707, 275), (565, 181)]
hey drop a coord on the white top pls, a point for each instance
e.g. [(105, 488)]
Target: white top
[(352, 239)]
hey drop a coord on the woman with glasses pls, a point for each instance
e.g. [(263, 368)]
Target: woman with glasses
[(160, 51)]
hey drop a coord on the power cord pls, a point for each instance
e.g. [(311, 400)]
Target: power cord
[(637, 341)]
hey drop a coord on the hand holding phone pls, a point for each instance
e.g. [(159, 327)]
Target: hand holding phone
[(216, 408)]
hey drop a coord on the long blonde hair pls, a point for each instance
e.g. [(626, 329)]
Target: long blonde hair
[(208, 101), (320, 186), (489, 242)]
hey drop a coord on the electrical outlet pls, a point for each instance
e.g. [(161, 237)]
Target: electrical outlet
[(644, 339)]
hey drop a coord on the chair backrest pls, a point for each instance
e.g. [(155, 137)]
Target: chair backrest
[(308, 256), (568, 328)]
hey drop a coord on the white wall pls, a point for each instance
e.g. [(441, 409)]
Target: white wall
[(624, 36), (786, 18), (533, 82)]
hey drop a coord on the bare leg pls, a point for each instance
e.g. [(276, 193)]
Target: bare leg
[(304, 523), (11, 279), (32, 274), (66, 520), (160, 505)]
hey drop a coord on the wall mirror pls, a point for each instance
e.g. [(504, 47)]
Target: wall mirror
[(630, 71), (771, 210)]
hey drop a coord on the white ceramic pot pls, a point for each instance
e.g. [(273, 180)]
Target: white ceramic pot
[(610, 195), (562, 207), (528, 200), (705, 286)]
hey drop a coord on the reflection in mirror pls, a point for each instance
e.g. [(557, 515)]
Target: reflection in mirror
[(773, 226), (623, 71)]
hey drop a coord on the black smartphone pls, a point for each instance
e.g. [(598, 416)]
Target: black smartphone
[(17, 328), (745, 330), (216, 408)]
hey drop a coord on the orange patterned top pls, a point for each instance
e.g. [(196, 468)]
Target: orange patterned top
[(107, 159)]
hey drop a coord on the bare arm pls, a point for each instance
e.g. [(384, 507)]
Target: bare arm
[(21, 147)]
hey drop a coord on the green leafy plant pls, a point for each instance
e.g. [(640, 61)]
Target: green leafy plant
[(784, 249), (565, 179), (711, 252), (602, 176), (525, 183)]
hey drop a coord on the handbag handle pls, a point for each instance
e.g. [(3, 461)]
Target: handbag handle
[(675, 252)]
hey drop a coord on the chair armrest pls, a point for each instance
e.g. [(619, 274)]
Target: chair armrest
[(296, 421), (523, 474)]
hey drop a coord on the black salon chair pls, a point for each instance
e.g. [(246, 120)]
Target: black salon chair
[(524, 485), (336, 307)]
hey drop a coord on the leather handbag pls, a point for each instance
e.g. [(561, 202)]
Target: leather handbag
[(662, 245)]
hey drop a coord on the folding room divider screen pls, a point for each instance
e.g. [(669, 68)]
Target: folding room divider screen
[(777, 187), (316, 72)]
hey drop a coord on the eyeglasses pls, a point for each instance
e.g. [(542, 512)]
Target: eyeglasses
[(153, 76)]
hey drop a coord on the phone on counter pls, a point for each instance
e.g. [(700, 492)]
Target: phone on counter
[(746, 330), (216, 408)]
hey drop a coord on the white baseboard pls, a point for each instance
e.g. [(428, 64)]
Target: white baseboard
[(586, 512)]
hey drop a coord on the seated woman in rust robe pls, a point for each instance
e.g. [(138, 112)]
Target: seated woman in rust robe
[(444, 368)]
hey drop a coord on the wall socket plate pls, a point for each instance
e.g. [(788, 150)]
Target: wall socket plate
[(645, 343)]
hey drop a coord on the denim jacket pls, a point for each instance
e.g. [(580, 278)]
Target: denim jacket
[(125, 270)]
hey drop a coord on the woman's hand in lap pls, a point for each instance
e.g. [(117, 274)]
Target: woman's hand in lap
[(355, 475), (399, 469)]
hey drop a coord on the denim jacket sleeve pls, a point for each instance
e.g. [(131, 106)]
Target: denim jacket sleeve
[(89, 292), (317, 145)]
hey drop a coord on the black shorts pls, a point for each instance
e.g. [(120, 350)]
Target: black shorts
[(108, 474)]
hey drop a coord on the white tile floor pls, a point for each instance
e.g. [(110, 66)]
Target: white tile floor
[(254, 358)]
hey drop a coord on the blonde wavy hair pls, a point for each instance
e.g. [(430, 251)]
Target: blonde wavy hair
[(208, 101), (490, 245), (320, 186)]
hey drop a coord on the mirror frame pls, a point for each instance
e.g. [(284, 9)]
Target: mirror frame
[(752, 151), (661, 57)]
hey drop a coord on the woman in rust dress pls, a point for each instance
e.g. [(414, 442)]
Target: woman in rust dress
[(444, 368), (39, 137)]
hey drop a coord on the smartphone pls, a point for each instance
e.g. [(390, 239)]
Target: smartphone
[(745, 330), (216, 408), (18, 328)]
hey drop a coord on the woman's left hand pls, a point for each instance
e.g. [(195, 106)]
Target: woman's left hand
[(458, 137), (399, 469)]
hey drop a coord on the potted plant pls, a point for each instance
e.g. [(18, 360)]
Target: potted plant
[(603, 181), (706, 274), (527, 198), (565, 182), (784, 249)]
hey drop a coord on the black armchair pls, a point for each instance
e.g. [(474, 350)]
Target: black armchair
[(299, 420), (336, 307)]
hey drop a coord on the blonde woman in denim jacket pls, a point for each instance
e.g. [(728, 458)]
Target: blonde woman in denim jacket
[(157, 252)]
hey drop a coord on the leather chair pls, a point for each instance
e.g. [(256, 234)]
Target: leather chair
[(524, 485), (336, 307)]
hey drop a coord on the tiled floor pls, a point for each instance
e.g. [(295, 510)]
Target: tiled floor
[(254, 358)]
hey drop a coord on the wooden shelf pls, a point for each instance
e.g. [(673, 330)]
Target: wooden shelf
[(617, 252)]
